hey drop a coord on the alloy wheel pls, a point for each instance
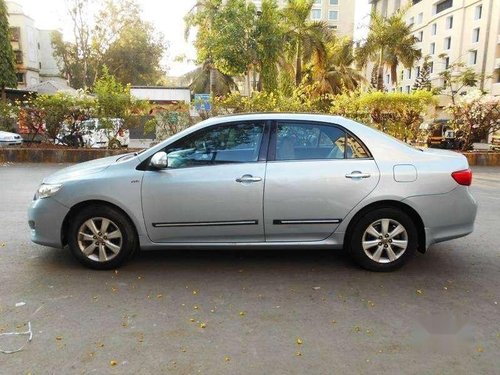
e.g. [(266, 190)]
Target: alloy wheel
[(100, 239), (385, 240)]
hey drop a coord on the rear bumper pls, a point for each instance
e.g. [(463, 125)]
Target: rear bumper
[(45, 218), (446, 216)]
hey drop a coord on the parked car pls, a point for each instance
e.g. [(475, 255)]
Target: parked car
[(10, 139), (92, 133), (275, 181), (442, 135)]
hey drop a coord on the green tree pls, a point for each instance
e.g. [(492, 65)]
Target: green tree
[(456, 78), (7, 67), (268, 38), (205, 79), (224, 34), (115, 36), (423, 80), (337, 73), (303, 38), (390, 42), (114, 101)]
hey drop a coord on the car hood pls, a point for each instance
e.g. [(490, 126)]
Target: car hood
[(78, 171)]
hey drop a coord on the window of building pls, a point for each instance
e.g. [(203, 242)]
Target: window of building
[(434, 28), (432, 48), (317, 2), (420, 18), (333, 27), (416, 1), (39, 65), (408, 88), (411, 21), (20, 77), (334, 2), (478, 12), (420, 36), (475, 35), (316, 14), (417, 71), (443, 5), (473, 57), (449, 22), (447, 43), (387, 78), (18, 57), (333, 15), (409, 73), (447, 62), (397, 4), (15, 34), (431, 67)]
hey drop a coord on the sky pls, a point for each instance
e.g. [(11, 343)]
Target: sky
[(166, 15)]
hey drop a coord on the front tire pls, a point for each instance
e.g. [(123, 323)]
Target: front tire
[(101, 237), (383, 240)]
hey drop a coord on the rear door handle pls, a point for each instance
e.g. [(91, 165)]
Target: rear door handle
[(357, 174), (248, 178)]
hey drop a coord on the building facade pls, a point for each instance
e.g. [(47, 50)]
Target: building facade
[(33, 50), (339, 14), (451, 31)]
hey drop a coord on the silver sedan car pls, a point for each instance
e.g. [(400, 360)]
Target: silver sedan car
[(254, 181)]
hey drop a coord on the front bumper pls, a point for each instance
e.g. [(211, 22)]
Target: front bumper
[(45, 218), (446, 216)]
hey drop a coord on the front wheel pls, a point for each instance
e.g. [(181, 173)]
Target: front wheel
[(101, 237), (383, 240)]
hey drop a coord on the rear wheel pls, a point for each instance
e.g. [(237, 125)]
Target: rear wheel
[(383, 239), (101, 237)]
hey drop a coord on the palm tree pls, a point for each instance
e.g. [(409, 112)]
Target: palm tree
[(390, 42), (338, 72), (206, 78), (306, 39)]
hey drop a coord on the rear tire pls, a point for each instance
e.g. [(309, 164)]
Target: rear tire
[(383, 240), (101, 237)]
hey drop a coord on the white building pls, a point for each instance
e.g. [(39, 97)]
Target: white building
[(451, 31), (33, 50), (339, 14)]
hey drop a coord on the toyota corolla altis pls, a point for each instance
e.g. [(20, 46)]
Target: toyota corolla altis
[(274, 181)]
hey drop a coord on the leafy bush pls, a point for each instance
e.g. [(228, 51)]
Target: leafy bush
[(476, 115)]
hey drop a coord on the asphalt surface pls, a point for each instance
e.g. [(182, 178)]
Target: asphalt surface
[(302, 312)]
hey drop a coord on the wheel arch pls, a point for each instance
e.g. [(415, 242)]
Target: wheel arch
[(77, 207), (410, 211)]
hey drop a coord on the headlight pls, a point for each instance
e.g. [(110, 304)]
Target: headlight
[(47, 190)]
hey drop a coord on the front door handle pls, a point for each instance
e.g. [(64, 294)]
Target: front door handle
[(248, 178), (357, 174)]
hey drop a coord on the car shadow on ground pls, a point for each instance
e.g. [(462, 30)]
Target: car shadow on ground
[(438, 261)]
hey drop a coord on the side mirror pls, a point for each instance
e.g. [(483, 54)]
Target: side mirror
[(159, 160)]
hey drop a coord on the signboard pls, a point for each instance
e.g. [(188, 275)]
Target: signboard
[(202, 102)]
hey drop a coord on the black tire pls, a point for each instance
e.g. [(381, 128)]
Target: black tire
[(128, 241), (355, 243)]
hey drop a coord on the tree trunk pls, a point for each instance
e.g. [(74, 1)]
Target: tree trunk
[(298, 65), (380, 75), (4, 94)]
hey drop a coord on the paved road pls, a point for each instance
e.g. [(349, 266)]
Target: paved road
[(440, 314)]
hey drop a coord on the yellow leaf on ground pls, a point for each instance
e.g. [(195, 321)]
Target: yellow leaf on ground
[(299, 341), (113, 363)]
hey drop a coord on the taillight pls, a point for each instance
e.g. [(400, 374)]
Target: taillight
[(463, 177)]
